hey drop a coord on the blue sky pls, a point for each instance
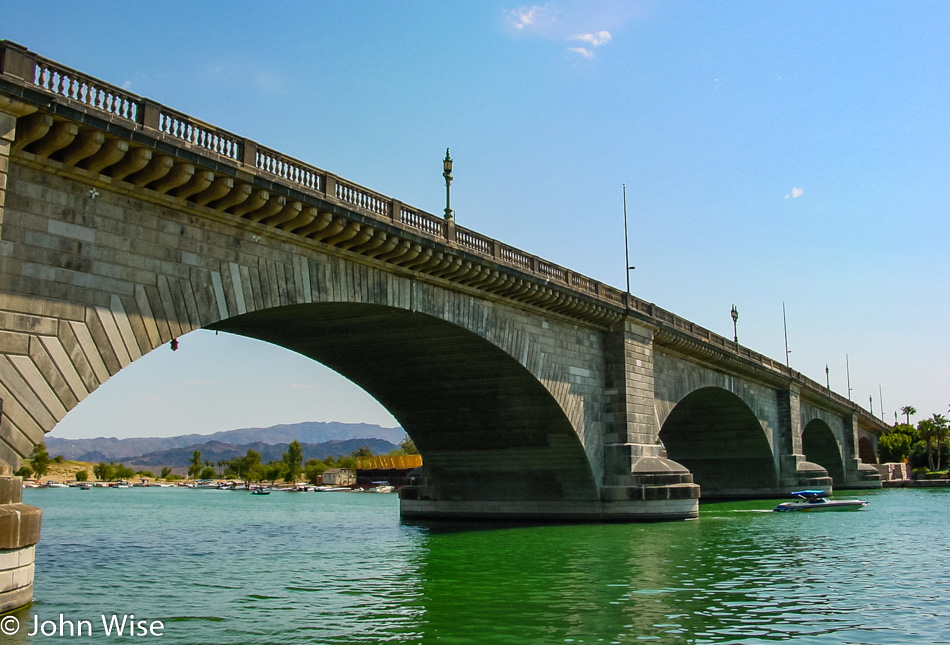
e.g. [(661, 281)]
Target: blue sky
[(773, 152)]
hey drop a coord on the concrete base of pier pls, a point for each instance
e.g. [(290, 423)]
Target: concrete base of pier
[(548, 511), (19, 532)]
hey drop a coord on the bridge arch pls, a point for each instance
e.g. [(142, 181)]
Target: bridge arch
[(486, 427), (867, 451), (715, 434), (821, 447)]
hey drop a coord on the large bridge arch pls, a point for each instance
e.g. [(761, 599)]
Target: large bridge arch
[(714, 434), (487, 427)]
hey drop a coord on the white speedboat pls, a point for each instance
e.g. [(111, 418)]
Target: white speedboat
[(815, 500)]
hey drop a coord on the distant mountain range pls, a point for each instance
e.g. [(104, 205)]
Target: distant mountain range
[(319, 439), (215, 451)]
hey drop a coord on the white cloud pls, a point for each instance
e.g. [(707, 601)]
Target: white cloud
[(598, 39), (581, 51), (795, 194), (534, 17)]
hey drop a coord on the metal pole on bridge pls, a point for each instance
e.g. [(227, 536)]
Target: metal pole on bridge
[(626, 241)]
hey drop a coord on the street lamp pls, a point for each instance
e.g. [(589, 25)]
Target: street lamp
[(735, 319), (447, 173), (827, 379)]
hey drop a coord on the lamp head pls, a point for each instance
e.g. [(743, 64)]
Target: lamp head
[(447, 163)]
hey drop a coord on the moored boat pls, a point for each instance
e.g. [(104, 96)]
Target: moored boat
[(815, 500)]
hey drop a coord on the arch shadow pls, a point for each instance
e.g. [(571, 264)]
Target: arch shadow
[(486, 427), (821, 447), (866, 451), (714, 434)]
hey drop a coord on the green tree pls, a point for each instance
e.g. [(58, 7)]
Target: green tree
[(907, 429), (81, 475), (313, 470), (272, 471), (893, 447), (166, 471), (293, 459), (123, 472), (195, 468), (241, 467), (208, 473), (39, 460), (363, 451), (940, 435), (408, 446), (104, 472), (907, 411), (255, 473), (25, 472), (929, 434)]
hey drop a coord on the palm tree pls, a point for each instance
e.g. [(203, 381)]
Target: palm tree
[(940, 432), (926, 428), (908, 410)]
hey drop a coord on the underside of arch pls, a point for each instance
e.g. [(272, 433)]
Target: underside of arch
[(821, 447), (714, 434), (866, 451), (485, 426)]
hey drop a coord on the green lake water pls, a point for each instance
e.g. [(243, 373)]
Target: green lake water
[(219, 567)]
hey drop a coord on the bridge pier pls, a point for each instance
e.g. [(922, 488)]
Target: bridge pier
[(857, 473), (639, 482), (19, 523), (19, 533), (794, 471)]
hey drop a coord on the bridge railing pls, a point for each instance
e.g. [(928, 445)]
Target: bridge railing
[(115, 103)]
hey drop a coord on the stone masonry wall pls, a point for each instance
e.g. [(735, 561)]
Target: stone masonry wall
[(92, 280)]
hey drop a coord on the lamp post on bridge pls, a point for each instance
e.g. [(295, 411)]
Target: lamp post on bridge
[(447, 173), (827, 378), (735, 320)]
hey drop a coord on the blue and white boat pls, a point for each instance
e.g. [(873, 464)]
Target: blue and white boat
[(815, 500)]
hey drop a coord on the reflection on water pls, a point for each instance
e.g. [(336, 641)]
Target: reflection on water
[(223, 567)]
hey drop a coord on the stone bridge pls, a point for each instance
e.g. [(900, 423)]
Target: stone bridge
[(532, 392)]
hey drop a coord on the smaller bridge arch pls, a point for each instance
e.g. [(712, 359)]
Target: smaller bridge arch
[(715, 434), (867, 451), (821, 447)]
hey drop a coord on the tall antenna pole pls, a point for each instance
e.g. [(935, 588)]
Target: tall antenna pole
[(785, 325), (847, 365), (626, 241), (880, 399)]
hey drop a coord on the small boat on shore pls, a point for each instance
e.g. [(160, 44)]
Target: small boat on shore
[(815, 500)]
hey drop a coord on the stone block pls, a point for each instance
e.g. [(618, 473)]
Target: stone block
[(15, 599), (19, 526), (11, 490)]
